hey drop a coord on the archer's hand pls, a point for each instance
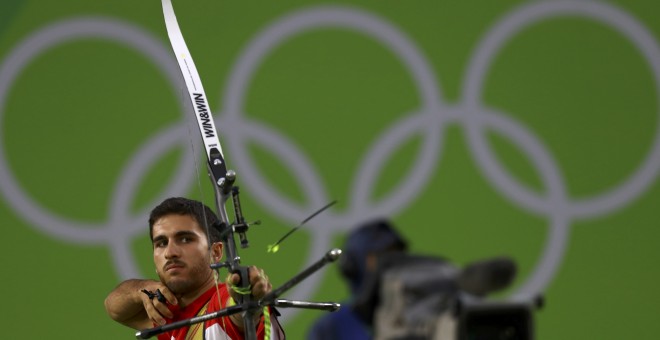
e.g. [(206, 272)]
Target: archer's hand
[(128, 305), (258, 281), (260, 286), (156, 307)]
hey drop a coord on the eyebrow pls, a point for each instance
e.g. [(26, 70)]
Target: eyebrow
[(178, 234)]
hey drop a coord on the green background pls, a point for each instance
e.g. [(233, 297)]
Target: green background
[(77, 113)]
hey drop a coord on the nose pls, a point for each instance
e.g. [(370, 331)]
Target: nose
[(172, 250)]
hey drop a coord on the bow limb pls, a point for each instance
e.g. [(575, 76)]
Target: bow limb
[(222, 179)]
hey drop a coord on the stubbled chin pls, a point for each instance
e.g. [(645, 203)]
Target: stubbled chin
[(177, 285), (174, 281)]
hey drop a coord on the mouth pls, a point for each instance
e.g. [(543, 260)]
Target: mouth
[(173, 266)]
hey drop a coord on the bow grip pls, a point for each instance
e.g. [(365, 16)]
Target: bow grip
[(244, 284)]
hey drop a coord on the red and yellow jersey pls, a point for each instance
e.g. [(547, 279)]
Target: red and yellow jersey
[(215, 329)]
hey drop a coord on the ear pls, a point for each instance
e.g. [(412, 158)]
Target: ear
[(216, 251)]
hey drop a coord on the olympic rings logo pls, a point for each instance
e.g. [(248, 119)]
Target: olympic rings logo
[(429, 121)]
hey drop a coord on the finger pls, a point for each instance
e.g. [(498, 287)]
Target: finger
[(169, 295), (260, 284), (230, 282), (236, 278), (253, 271), (262, 280), (260, 289), (233, 279), (162, 309), (257, 275), (157, 321), (152, 312)]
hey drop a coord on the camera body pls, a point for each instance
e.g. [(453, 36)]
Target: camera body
[(501, 320)]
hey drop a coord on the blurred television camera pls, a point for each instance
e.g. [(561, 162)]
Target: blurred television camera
[(407, 296)]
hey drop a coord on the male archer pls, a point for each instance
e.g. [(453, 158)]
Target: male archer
[(183, 251)]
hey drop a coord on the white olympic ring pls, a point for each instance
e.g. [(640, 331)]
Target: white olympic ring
[(121, 227), (431, 119)]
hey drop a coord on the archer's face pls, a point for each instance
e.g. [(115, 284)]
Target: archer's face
[(181, 253)]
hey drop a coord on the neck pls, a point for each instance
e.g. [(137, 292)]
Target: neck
[(187, 298)]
